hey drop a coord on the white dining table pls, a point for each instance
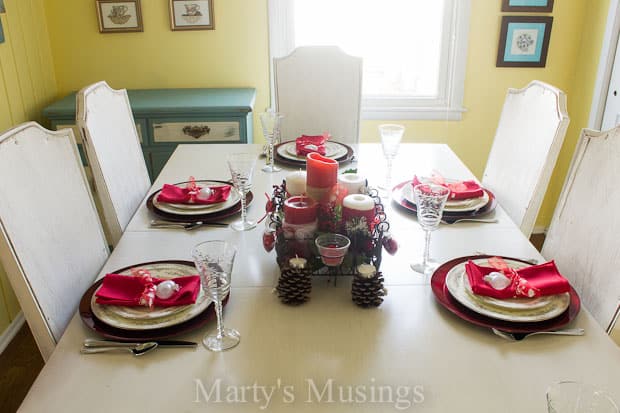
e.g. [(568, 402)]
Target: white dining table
[(409, 354)]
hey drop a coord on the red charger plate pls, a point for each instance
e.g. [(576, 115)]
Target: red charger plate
[(438, 284)]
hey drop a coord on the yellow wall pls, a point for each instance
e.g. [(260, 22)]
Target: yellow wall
[(27, 84)]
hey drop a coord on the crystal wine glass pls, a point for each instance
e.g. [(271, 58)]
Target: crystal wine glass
[(270, 122), (572, 396), (241, 168), (391, 136), (430, 200), (214, 261)]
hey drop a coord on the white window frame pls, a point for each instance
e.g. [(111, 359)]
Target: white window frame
[(449, 103)]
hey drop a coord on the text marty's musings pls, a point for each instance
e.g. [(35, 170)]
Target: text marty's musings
[(401, 397)]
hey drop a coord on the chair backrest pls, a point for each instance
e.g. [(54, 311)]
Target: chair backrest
[(583, 236), (319, 89), (52, 245), (528, 140), (114, 153)]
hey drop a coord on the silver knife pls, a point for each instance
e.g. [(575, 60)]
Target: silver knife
[(91, 342)]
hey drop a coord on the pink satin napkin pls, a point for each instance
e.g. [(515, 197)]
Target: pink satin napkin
[(191, 194), (458, 190), (533, 281), (306, 144), (127, 290)]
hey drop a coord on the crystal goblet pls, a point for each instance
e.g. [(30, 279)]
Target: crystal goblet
[(241, 167), (270, 122), (214, 261), (572, 396), (430, 200), (391, 136)]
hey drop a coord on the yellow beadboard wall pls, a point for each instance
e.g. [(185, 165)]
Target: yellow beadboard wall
[(27, 84)]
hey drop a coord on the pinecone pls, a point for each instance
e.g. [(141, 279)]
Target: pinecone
[(368, 292), (294, 286)]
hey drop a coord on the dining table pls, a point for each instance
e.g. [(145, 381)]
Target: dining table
[(408, 354)]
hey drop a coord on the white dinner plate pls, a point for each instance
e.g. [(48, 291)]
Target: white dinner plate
[(333, 150), (514, 309), (199, 209), (143, 318), (456, 205)]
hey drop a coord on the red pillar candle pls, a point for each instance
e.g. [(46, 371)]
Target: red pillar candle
[(322, 175), (358, 205), (300, 210)]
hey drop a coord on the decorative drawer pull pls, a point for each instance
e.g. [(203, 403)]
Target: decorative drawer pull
[(196, 131)]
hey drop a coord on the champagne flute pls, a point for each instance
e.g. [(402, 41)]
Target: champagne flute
[(241, 167), (270, 122), (430, 200), (391, 136), (214, 261)]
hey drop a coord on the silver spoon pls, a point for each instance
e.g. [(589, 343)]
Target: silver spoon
[(521, 336), (137, 350)]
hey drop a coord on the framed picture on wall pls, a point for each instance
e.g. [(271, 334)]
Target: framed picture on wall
[(119, 16), (524, 41), (540, 6), (191, 15)]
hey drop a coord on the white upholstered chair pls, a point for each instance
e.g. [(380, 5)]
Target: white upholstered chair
[(583, 236), (319, 89), (52, 245), (527, 142), (113, 150)]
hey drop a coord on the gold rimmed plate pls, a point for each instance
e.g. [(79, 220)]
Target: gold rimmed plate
[(515, 309)]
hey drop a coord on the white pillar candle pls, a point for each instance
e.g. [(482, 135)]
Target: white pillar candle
[(354, 183), (296, 183), (358, 206), (358, 202)]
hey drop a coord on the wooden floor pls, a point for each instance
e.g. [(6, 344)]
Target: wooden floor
[(21, 362)]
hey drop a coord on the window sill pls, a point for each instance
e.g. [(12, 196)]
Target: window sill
[(410, 113)]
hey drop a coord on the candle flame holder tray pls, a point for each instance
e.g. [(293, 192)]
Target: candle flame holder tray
[(364, 251)]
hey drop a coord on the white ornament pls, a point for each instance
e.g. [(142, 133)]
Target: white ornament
[(205, 193), (497, 280), (166, 289)]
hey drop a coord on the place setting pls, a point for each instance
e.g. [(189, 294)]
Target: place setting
[(139, 308), (508, 295), (196, 203), (293, 153), (467, 200)]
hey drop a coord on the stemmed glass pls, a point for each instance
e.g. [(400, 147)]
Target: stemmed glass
[(271, 129), (430, 200), (214, 262), (241, 167), (572, 396), (390, 141)]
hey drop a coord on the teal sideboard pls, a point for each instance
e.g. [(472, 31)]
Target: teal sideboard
[(167, 117)]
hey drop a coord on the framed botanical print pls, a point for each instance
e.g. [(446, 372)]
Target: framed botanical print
[(535, 6), (191, 15), (119, 16), (524, 41)]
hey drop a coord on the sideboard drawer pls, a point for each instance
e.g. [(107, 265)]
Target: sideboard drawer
[(78, 135), (195, 131)]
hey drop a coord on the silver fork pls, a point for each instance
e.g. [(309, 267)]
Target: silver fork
[(487, 220), (521, 336)]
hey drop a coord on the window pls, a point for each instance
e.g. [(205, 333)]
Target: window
[(414, 51)]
